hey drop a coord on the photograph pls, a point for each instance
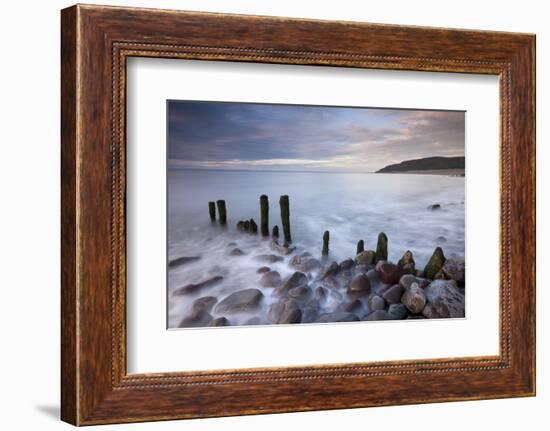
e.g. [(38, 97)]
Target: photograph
[(306, 214)]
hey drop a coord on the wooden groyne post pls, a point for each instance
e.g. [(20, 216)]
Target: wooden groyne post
[(360, 246), (326, 237), (222, 212), (264, 215), (275, 232), (253, 226), (212, 211), (285, 217), (381, 247)]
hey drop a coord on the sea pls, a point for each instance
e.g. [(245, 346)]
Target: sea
[(351, 206)]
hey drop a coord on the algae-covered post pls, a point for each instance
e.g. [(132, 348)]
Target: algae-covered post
[(264, 215), (326, 237), (212, 211), (275, 232), (435, 263), (285, 217), (382, 247), (360, 246), (222, 212)]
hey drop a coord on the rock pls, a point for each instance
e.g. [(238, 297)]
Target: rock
[(419, 273), (330, 282), (435, 263), (407, 259), (366, 257), (242, 300), (381, 247), (339, 316), (336, 296), (320, 294), (346, 265), (352, 306), (376, 303), (277, 309), (454, 269), (295, 280), (253, 321), (372, 275), (379, 264), (196, 320), (310, 313), (343, 278), (237, 252), (397, 311), (393, 294), (330, 269), (299, 293), (376, 315), (389, 273), (192, 288), (270, 279), (414, 298), (290, 315), (269, 258), (446, 298), (305, 264), (305, 254), (406, 280), (361, 269), (439, 276), (430, 312), (282, 249), (359, 285), (232, 244), (220, 321), (182, 261), (205, 303), (263, 269), (415, 317), (434, 207)]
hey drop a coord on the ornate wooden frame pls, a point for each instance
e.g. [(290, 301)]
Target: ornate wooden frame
[(95, 42)]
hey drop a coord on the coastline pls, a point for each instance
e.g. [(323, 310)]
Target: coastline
[(446, 172)]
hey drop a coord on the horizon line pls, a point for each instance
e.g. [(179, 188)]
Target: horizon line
[(269, 170)]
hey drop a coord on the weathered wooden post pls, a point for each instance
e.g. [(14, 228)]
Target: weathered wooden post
[(381, 247), (222, 212), (285, 217), (326, 236), (275, 232), (212, 211), (253, 226), (264, 215), (360, 246)]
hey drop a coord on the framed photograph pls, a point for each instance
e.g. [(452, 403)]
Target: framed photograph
[(266, 215)]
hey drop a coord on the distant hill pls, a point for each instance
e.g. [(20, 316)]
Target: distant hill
[(426, 164)]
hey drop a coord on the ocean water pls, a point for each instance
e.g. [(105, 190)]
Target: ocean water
[(351, 206)]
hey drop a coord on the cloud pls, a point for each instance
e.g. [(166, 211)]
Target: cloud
[(215, 135)]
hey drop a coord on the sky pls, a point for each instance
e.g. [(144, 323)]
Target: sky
[(251, 136)]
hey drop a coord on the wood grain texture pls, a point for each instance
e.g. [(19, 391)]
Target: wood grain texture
[(96, 41)]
